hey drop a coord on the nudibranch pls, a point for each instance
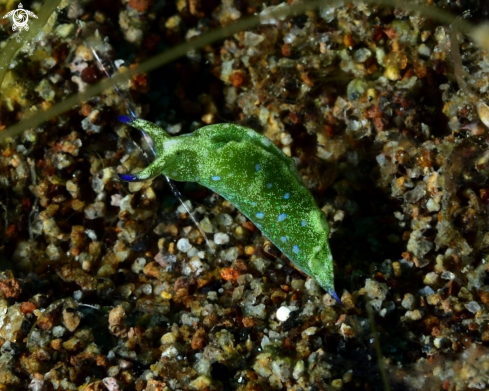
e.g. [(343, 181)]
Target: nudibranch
[(249, 171)]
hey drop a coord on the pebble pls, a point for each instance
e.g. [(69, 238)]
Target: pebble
[(375, 290), (221, 238), (283, 314), (138, 265), (413, 315), (95, 210), (362, 54), (424, 50), (473, 307), (224, 219), (431, 278), (483, 112), (299, 369), (408, 301), (347, 331), (71, 319), (184, 245)]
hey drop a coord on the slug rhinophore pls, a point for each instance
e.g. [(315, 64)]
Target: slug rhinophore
[(248, 170)]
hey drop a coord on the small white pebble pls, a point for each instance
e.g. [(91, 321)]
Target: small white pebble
[(184, 245), (337, 384), (431, 278), (53, 252), (194, 267), (206, 225), (73, 188), (299, 369), (91, 234), (339, 215), (440, 342), (328, 300), (361, 55), (432, 205), (426, 291), (77, 295), (212, 295), (424, 50), (309, 331), (282, 314), (252, 39), (138, 265), (346, 331), (286, 139), (111, 384), (113, 371), (170, 352), (413, 315), (408, 301), (473, 306), (173, 129), (88, 126), (182, 209), (447, 275), (220, 238), (147, 289), (125, 203), (376, 290), (231, 254), (115, 200), (118, 63), (224, 219), (58, 331), (95, 211), (168, 339), (36, 385), (483, 111)]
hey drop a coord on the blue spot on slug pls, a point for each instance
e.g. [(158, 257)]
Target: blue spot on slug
[(258, 167), (295, 249), (216, 178), (260, 215), (281, 217), (253, 204), (303, 223), (283, 239), (286, 196), (269, 185)]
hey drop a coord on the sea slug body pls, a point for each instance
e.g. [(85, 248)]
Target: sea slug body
[(254, 175)]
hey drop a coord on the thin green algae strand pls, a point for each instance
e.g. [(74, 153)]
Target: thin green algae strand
[(35, 27)]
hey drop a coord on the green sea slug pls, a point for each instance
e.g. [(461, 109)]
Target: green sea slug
[(248, 170)]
